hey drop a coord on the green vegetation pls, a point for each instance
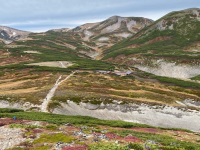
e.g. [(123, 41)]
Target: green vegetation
[(152, 140), (54, 104), (169, 43), (196, 78), (46, 147), (91, 87), (107, 146), (60, 137), (52, 48), (10, 110), (106, 88), (76, 120), (135, 146), (24, 126), (177, 82), (51, 127), (160, 139)]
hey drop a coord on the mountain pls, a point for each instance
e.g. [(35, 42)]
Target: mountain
[(91, 39), (174, 38), (114, 26), (8, 35), (110, 31)]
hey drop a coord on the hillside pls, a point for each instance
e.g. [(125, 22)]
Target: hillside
[(89, 39), (8, 35), (102, 35), (48, 131), (58, 72), (114, 26), (174, 38)]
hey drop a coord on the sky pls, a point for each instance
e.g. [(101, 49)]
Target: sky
[(43, 15)]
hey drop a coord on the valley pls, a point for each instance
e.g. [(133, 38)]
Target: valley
[(138, 78)]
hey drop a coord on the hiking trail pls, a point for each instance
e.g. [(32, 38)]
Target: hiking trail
[(52, 91)]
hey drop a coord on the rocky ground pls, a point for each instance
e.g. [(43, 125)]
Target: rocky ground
[(24, 134)]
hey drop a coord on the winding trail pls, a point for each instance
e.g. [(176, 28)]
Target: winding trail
[(52, 91)]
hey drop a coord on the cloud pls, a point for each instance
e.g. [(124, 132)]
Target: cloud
[(47, 14)]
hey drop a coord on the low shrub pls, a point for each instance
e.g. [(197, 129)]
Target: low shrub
[(51, 127), (10, 110), (24, 126), (135, 146), (60, 137), (107, 146)]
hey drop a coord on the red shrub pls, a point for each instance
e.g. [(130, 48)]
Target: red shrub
[(75, 148), (132, 139), (37, 130)]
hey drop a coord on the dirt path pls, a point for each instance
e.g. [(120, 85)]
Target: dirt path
[(52, 91), (62, 64)]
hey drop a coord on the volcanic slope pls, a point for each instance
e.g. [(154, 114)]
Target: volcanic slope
[(176, 35), (169, 46), (102, 35), (139, 97)]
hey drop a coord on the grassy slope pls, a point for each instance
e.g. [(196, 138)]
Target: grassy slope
[(152, 90), (183, 35), (163, 137), (54, 52)]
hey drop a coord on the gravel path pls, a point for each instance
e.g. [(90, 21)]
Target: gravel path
[(52, 91)]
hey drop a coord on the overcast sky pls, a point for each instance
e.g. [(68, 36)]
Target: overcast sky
[(42, 15)]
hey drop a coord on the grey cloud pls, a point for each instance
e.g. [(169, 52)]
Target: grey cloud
[(25, 15)]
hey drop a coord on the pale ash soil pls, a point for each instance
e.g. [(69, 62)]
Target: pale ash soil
[(32, 52), (171, 70), (167, 116), (60, 64), (125, 35)]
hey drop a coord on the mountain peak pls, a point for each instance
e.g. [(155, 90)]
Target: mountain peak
[(7, 34)]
